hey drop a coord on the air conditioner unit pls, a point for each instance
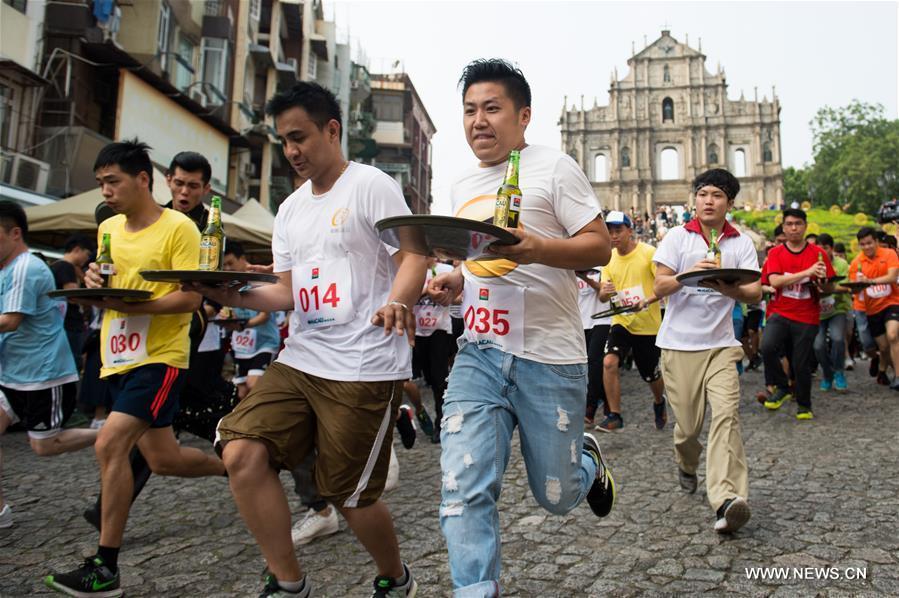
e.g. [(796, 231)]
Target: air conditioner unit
[(29, 173), (198, 96)]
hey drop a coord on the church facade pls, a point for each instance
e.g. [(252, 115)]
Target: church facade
[(668, 120)]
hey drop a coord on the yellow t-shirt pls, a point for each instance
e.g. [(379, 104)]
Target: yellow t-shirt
[(170, 243), (633, 276)]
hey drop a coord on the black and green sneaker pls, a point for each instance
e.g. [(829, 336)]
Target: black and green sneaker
[(389, 587), (273, 589), (424, 420), (92, 579)]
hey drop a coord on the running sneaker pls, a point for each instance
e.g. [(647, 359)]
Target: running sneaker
[(804, 413), (883, 379), (405, 426), (849, 364), (273, 589), (874, 366), (661, 414), (5, 517), (777, 399), (611, 423), (601, 496), (313, 525), (688, 481), (762, 396), (387, 587), (826, 384), (732, 515), (839, 381), (424, 420), (92, 515), (93, 578)]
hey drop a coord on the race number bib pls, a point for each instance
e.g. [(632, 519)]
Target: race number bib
[(243, 343), (630, 296), (126, 342), (798, 290), (494, 316), (428, 318), (827, 305), (322, 294), (879, 291)]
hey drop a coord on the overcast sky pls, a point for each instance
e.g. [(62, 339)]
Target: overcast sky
[(814, 53)]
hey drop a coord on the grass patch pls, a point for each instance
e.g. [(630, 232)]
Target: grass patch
[(841, 226)]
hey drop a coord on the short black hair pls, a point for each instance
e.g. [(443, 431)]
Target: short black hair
[(131, 155), (720, 178), (191, 162), (319, 103), (12, 215), (497, 70), (234, 248), (825, 240), (795, 213), (778, 230), (866, 231), (811, 236), (838, 247), (78, 241), (890, 241)]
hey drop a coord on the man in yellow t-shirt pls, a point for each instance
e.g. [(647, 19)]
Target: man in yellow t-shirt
[(628, 281), (145, 352)]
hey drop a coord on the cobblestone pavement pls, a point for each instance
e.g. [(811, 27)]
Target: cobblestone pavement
[(824, 494)]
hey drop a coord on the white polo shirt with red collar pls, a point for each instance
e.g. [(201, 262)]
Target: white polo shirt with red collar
[(698, 319)]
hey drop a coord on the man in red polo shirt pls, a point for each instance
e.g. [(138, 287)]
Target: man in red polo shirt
[(879, 265), (795, 270)]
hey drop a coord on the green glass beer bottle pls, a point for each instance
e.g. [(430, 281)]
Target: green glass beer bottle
[(212, 242), (714, 252), (508, 198), (104, 260)]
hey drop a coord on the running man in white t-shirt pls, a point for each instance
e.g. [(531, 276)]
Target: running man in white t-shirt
[(522, 361), (335, 387), (699, 348)]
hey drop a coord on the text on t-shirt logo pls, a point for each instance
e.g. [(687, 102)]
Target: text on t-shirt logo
[(484, 294), (314, 273)]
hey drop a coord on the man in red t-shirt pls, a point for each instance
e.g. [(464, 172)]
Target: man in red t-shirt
[(795, 270), (879, 265)]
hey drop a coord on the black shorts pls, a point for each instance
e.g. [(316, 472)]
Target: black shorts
[(646, 354), (43, 412), (148, 392), (254, 366), (753, 320), (877, 323)]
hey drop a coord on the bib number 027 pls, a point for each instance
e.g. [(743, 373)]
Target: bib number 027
[(482, 320), (309, 298)]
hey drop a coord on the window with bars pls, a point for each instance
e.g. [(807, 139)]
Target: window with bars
[(165, 28)]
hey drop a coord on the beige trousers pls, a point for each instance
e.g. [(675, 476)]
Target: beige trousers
[(692, 379)]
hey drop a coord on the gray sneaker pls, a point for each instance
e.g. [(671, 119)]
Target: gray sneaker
[(688, 481), (386, 587)]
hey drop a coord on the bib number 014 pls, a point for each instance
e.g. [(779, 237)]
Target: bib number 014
[(309, 298)]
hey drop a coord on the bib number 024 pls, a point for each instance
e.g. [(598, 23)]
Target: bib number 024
[(482, 320)]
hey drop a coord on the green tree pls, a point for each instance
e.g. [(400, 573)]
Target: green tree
[(856, 157), (795, 185)]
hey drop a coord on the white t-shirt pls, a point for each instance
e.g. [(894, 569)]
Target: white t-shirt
[(698, 319), (527, 310), (589, 303), (342, 273), (429, 316)]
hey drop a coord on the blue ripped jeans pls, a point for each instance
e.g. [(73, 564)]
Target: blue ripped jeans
[(490, 393)]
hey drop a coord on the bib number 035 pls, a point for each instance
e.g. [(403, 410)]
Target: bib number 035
[(483, 320)]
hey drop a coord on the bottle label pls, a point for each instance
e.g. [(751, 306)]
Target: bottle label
[(209, 253), (106, 269), (515, 203)]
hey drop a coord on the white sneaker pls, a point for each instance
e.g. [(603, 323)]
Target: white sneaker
[(96, 424), (733, 516), (6, 517), (313, 526), (393, 472), (849, 364)]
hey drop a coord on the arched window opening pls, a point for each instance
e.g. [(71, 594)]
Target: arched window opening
[(601, 168), (625, 157), (667, 110), (713, 154), (740, 163), (670, 164)]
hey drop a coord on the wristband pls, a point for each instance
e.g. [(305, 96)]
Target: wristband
[(403, 305)]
